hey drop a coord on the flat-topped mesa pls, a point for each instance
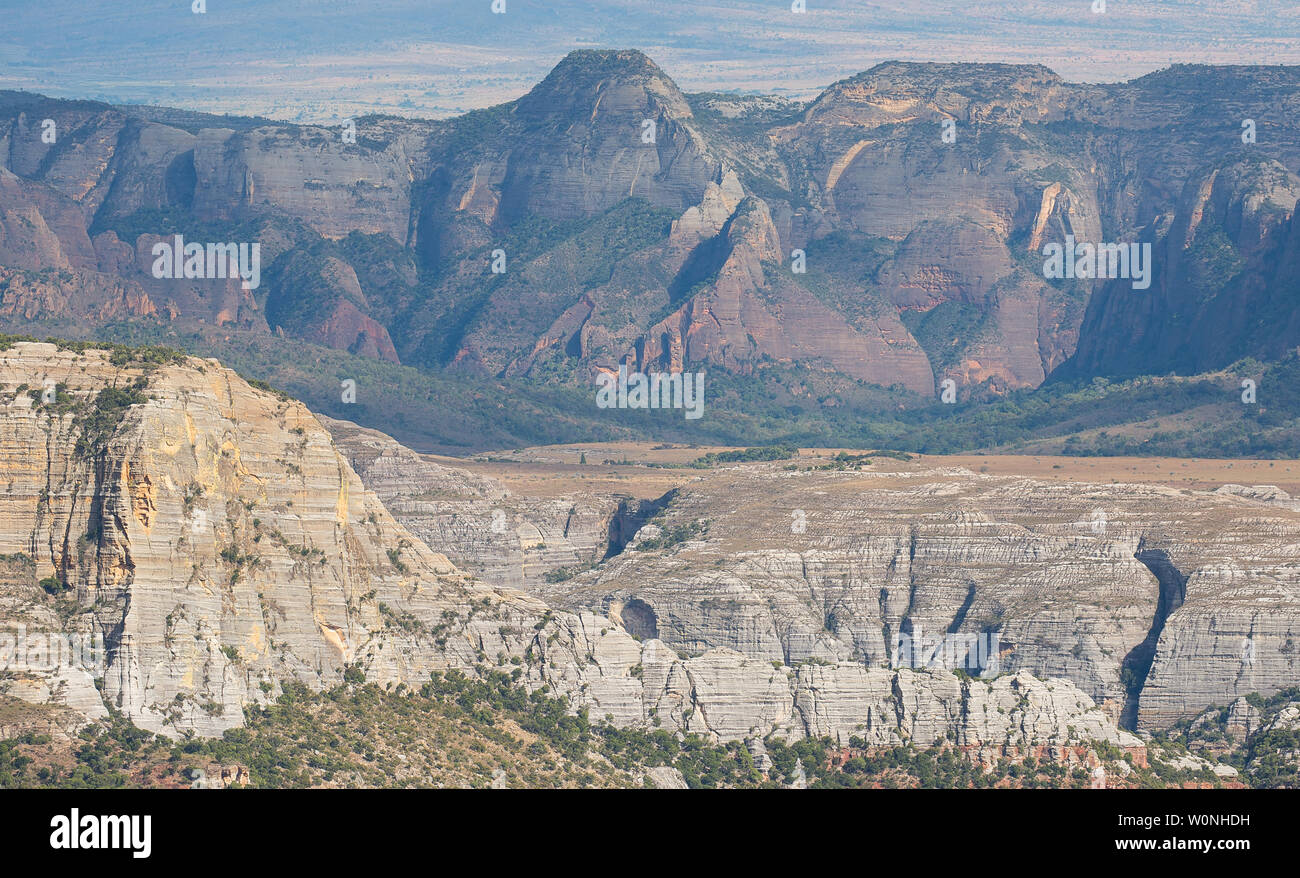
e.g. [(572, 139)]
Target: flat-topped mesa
[(897, 91), (1155, 601), (920, 75), (213, 535)]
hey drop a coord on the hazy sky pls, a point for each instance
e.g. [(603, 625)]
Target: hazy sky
[(322, 59)]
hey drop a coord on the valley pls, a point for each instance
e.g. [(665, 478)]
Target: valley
[(617, 435)]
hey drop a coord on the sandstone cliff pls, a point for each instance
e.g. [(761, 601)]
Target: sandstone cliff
[(219, 542), (1157, 602)]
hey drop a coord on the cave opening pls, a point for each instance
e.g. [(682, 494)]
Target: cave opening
[(640, 620)]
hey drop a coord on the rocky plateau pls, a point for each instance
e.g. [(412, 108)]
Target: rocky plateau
[(219, 541)]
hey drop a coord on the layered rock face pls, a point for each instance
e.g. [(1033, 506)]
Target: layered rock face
[(119, 182), (308, 173), (755, 309), (41, 228), (1226, 288), (1156, 602), (216, 541), (220, 544), (484, 528)]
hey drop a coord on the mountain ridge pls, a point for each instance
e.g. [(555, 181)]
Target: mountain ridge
[(635, 227)]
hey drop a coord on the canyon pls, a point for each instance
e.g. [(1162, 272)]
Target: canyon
[(226, 543), (829, 264), (1157, 600), (225, 547)]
